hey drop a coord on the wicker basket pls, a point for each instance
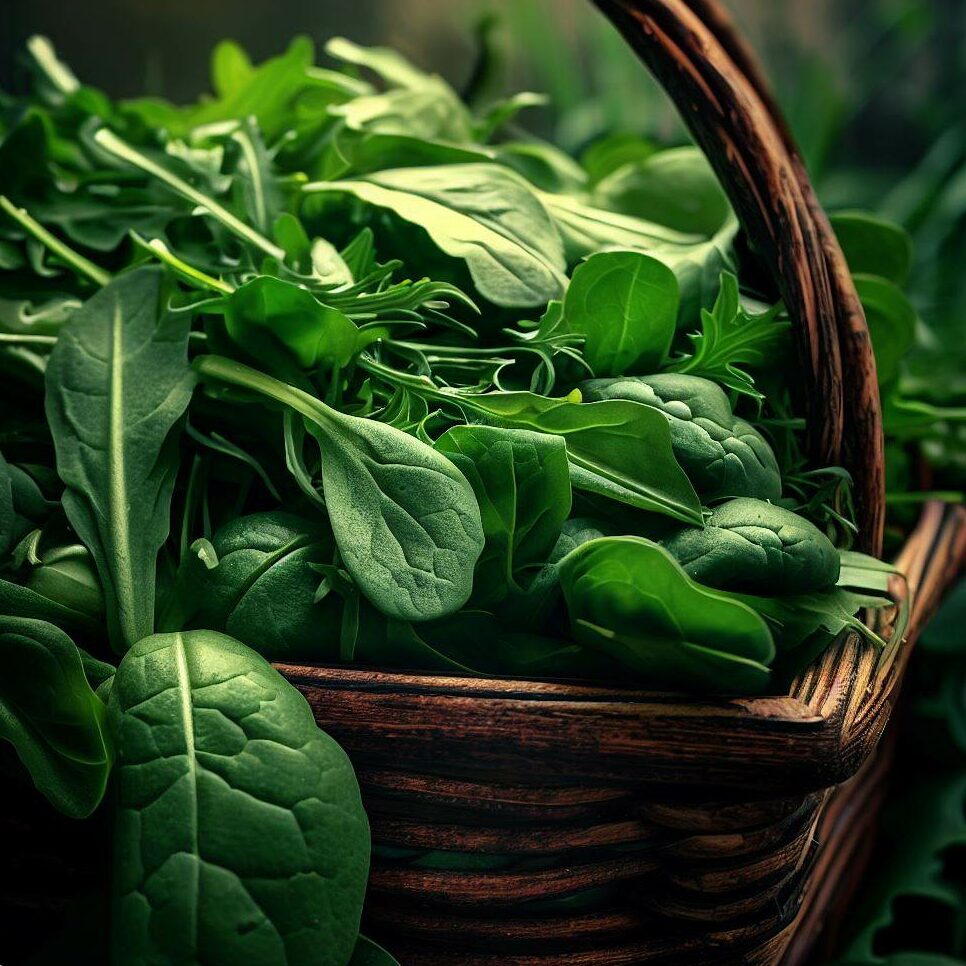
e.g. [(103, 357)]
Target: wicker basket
[(616, 827)]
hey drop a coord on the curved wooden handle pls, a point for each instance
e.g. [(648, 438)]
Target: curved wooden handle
[(693, 50)]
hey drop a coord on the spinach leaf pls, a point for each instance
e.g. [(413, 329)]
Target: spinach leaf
[(67, 613), (240, 834), (262, 589), (754, 546), (629, 598), (118, 382), (522, 484), (617, 448), (481, 213), (66, 574), (51, 715), (731, 337), (724, 456), (315, 333), (405, 520), (367, 953), (625, 304)]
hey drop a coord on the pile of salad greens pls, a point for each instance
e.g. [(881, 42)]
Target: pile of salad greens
[(331, 368)]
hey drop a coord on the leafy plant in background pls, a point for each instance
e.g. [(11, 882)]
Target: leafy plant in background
[(338, 369)]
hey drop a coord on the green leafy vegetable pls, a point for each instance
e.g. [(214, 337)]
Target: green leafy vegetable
[(477, 212), (617, 448), (49, 712), (731, 338), (625, 304), (405, 519), (723, 455), (118, 382), (522, 484), (756, 547), (240, 833), (367, 953), (629, 598)]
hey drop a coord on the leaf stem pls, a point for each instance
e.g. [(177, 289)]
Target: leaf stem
[(188, 272), (112, 143), (64, 252)]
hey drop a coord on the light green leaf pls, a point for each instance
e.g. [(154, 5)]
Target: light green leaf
[(625, 304), (481, 213)]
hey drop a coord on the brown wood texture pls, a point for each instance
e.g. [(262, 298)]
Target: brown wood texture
[(692, 49), (697, 831)]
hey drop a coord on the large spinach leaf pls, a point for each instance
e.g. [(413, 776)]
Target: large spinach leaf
[(118, 382), (240, 834), (405, 519), (51, 715), (522, 484), (724, 456), (629, 598), (757, 547)]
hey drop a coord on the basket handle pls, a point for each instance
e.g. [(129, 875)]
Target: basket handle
[(693, 50)]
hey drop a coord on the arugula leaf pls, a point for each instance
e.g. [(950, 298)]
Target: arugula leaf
[(118, 382), (240, 834), (730, 338), (51, 715)]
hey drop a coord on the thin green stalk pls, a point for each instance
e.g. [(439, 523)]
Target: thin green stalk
[(112, 143), (64, 252), (188, 272)]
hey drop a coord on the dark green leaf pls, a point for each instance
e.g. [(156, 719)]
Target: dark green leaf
[(724, 456), (240, 833), (617, 448), (522, 484), (630, 599), (756, 547), (405, 520), (51, 715), (118, 383)]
